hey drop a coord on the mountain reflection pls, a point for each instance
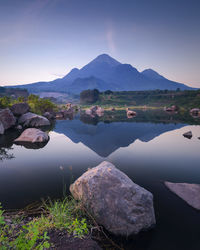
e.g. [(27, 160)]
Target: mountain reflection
[(106, 137)]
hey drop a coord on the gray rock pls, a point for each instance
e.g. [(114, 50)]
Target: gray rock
[(49, 115), (117, 203), (20, 108), (32, 135), (186, 191), (7, 118), (1, 128), (188, 134), (33, 120)]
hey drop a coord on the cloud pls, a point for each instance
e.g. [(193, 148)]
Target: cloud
[(110, 37)]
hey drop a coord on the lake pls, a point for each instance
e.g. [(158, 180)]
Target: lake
[(149, 148)]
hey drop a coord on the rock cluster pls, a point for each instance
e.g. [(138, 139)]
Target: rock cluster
[(19, 117), (95, 111)]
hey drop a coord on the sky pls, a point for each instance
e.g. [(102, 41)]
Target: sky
[(41, 40)]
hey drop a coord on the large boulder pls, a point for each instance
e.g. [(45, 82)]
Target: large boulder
[(1, 128), (186, 191), (7, 118), (33, 135), (32, 120), (117, 203), (20, 108)]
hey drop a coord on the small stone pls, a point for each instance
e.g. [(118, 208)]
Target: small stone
[(188, 134)]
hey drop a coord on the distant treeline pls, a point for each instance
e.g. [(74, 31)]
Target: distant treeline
[(13, 92), (155, 98)]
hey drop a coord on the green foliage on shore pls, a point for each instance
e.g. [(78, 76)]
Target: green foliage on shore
[(153, 98), (66, 215), (38, 105)]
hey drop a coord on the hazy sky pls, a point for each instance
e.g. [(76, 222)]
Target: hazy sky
[(41, 40)]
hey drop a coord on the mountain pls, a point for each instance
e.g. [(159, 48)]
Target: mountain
[(103, 73), (150, 73)]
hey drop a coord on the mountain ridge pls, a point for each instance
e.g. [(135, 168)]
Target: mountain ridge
[(106, 73)]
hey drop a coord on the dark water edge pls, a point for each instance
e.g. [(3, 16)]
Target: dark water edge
[(149, 149)]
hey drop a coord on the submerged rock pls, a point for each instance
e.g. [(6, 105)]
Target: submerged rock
[(20, 108), (1, 128), (188, 134), (190, 193), (117, 203), (33, 120), (33, 135), (7, 118)]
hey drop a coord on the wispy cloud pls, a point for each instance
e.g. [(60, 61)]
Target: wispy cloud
[(110, 37)]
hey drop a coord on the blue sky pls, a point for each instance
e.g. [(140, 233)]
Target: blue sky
[(41, 40)]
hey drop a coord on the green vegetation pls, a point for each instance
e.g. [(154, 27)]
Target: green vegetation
[(40, 105), (153, 98), (37, 105), (67, 215)]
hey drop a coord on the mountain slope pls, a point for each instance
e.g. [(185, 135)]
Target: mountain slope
[(104, 72)]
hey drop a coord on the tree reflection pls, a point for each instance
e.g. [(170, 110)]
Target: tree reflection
[(5, 154)]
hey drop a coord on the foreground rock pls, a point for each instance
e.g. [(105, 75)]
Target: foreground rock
[(20, 108), (188, 134), (33, 135), (188, 192), (32, 120), (1, 128), (117, 203), (7, 118)]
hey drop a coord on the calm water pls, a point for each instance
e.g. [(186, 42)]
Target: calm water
[(150, 149)]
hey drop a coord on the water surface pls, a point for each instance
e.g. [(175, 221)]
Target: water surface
[(150, 149)]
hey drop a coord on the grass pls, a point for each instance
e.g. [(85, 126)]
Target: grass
[(67, 215)]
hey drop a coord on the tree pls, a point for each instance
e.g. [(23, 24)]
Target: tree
[(89, 96)]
